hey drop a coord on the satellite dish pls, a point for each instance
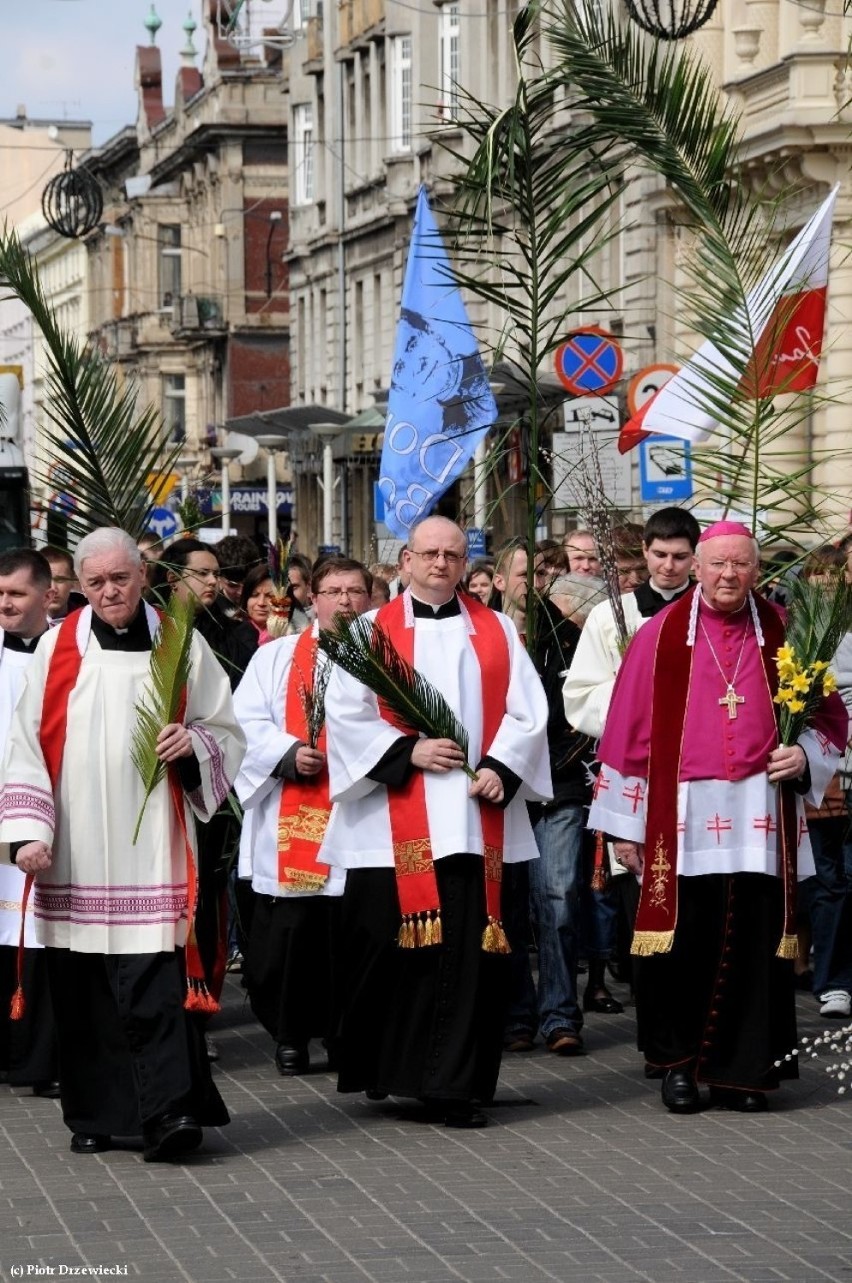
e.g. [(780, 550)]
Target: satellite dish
[(247, 447)]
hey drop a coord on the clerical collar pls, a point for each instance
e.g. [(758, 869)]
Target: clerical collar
[(651, 600), (24, 645), (426, 610), (135, 636)]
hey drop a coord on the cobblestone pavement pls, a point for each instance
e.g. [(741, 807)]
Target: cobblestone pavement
[(581, 1176)]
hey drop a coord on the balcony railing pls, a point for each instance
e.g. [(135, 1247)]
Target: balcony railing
[(194, 312)]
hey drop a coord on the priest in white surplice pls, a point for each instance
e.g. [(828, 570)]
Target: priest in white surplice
[(283, 785), (27, 1046), (113, 916), (425, 1021)]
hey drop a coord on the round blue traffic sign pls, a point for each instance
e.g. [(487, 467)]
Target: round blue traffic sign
[(163, 523), (589, 361)]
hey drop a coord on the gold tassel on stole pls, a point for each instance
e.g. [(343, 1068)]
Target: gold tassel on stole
[(494, 938), (647, 943), (788, 947)]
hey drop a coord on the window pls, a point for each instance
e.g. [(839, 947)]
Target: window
[(174, 407), (303, 154), (168, 240), (302, 10), (400, 93), (449, 39)]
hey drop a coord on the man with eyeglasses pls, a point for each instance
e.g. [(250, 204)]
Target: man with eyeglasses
[(425, 988), (283, 785), (690, 762)]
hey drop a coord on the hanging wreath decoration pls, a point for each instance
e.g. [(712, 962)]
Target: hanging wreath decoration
[(71, 202)]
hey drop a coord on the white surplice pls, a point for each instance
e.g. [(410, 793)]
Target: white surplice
[(13, 665), (589, 681), (359, 832), (259, 705), (102, 894)]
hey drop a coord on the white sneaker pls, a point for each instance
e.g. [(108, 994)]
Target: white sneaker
[(836, 1002)]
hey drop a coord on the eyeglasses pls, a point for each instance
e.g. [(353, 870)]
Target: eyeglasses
[(334, 594), (431, 555), (203, 574), (738, 567)]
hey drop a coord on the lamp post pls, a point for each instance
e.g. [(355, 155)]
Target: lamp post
[(184, 464), (327, 432), (272, 444), (224, 456)]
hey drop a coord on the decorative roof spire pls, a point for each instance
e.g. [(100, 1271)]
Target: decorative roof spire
[(153, 23), (189, 52)]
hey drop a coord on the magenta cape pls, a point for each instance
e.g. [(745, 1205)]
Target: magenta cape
[(714, 747)]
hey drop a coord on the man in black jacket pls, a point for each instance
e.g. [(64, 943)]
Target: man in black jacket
[(555, 879)]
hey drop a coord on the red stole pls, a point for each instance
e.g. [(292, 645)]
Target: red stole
[(657, 913), (409, 820), (62, 674), (305, 806)]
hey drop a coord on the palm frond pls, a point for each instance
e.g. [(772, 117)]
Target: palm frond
[(160, 703), (106, 446), (312, 698), (365, 651)]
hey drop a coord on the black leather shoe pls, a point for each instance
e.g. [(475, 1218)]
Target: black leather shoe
[(292, 1060), (464, 1117), (83, 1143), (679, 1092), (174, 1134), (47, 1091), (743, 1102), (606, 1005)]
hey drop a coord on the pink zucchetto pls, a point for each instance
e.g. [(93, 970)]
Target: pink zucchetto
[(725, 528)]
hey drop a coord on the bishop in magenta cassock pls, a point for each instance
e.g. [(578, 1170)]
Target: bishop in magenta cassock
[(690, 762)]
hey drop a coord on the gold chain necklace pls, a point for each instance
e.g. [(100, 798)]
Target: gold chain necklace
[(731, 698)]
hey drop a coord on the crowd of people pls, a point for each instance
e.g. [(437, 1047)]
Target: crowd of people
[(418, 906)]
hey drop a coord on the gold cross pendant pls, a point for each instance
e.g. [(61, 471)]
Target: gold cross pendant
[(731, 698)]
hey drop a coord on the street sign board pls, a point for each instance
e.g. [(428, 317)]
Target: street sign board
[(646, 383), (665, 469), (602, 415), (589, 362), (475, 543)]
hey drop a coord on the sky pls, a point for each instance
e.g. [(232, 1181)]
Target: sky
[(75, 59)]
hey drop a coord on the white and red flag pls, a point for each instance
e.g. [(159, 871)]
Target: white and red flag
[(784, 314)]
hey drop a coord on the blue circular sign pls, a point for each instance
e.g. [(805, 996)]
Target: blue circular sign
[(163, 523), (589, 361)]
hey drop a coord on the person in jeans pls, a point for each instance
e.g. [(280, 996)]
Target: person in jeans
[(555, 879)]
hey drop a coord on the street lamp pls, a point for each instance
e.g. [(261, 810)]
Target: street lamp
[(224, 456), (327, 432), (273, 443)]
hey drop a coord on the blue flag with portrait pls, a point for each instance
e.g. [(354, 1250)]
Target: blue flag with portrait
[(440, 405)]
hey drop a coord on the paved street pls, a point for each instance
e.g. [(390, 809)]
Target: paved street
[(582, 1176)]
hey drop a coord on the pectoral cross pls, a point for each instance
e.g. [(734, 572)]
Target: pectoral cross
[(731, 698)]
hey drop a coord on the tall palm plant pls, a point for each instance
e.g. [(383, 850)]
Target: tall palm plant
[(656, 106), (107, 446), (530, 218)]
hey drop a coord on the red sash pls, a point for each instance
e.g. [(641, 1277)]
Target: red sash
[(657, 913), (412, 848), (63, 671), (305, 806)]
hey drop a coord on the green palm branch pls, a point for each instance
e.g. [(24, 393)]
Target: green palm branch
[(160, 704), (364, 650), (107, 446)]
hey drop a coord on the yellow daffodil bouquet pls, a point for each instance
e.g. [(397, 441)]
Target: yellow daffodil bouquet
[(818, 616)]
